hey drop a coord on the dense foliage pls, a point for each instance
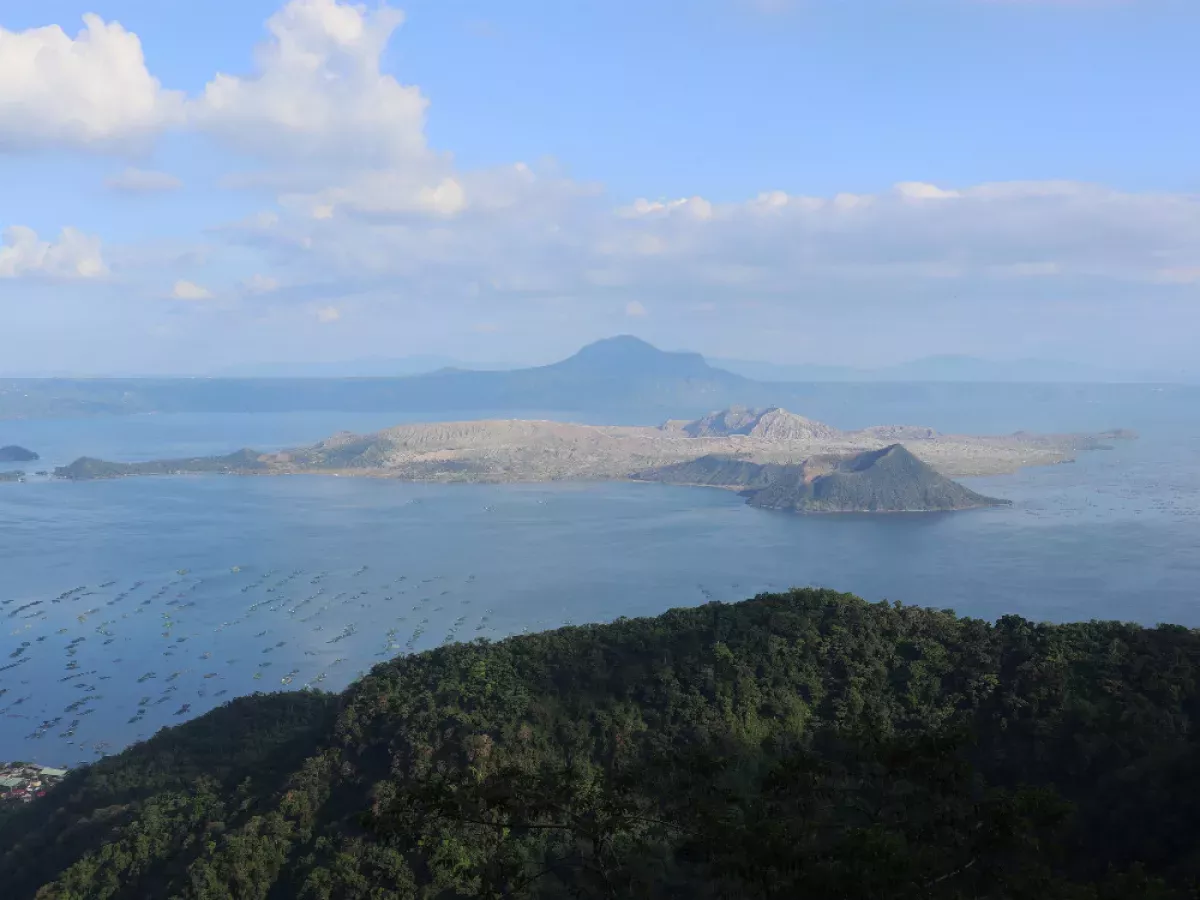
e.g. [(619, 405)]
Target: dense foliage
[(799, 745)]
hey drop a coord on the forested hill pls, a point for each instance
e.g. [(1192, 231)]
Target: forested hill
[(798, 745)]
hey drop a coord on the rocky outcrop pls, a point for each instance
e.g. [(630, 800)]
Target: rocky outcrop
[(771, 424)]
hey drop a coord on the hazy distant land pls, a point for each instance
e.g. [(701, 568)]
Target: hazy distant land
[(616, 377), (13, 453)]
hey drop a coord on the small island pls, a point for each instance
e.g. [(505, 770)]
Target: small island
[(890, 480), (13, 453), (786, 460)]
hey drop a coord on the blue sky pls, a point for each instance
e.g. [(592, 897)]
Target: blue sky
[(832, 181)]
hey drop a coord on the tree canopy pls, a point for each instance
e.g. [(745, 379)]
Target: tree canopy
[(807, 744)]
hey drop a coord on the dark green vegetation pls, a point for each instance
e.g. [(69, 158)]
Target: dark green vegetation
[(86, 468), (13, 453), (799, 745), (887, 480)]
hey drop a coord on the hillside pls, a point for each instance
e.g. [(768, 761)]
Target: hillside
[(798, 745), (887, 480)]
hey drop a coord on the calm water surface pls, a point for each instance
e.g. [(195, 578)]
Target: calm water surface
[(129, 605)]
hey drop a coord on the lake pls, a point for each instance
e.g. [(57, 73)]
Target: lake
[(134, 604)]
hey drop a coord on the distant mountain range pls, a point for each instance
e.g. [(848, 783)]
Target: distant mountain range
[(952, 368), (944, 367), (617, 374), (617, 377), (627, 349), (371, 367)]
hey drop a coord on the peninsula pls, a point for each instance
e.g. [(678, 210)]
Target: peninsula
[(737, 448)]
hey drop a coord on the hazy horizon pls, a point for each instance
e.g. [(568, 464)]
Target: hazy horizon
[(940, 366)]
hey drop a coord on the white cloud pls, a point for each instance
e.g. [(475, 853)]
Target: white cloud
[(328, 314), (692, 207), (318, 91), (73, 255), (382, 192), (92, 91), (917, 190), (189, 290), (261, 284), (143, 181), (635, 310), (548, 241)]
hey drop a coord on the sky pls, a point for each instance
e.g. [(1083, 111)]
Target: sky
[(187, 187)]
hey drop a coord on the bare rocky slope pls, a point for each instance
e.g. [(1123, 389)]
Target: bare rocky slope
[(521, 450)]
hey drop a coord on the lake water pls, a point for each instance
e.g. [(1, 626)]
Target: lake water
[(134, 604)]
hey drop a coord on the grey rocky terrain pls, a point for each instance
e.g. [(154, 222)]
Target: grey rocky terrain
[(532, 451)]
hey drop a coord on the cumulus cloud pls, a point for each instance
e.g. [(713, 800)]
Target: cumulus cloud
[(73, 255), (189, 290), (143, 181), (318, 91), (327, 314), (634, 309), (91, 91)]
